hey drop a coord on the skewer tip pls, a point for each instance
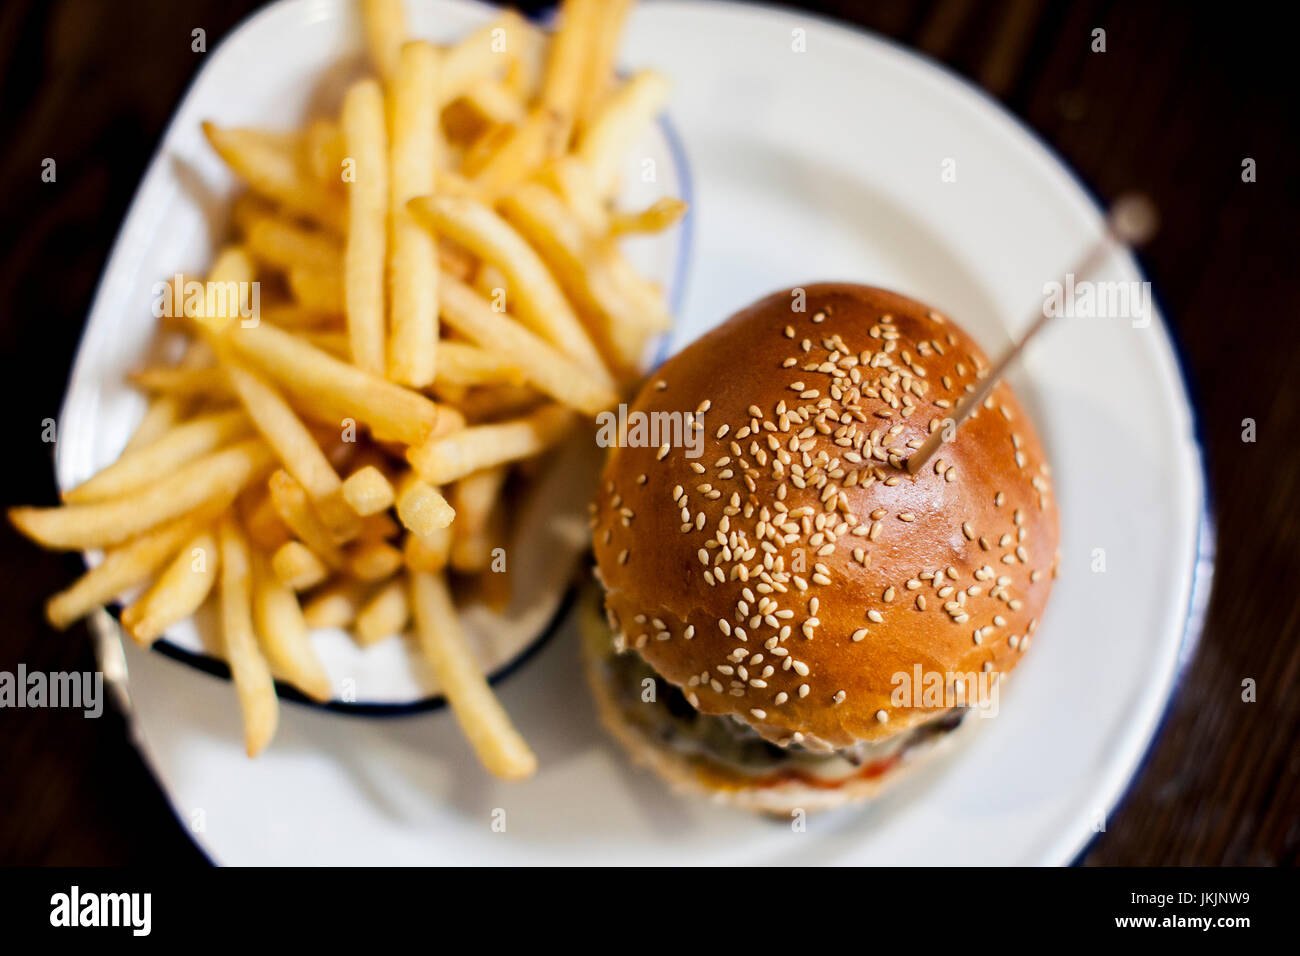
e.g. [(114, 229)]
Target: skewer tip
[(1133, 219)]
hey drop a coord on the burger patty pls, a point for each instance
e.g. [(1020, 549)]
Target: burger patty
[(670, 719)]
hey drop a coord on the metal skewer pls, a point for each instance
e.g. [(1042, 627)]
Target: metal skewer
[(1132, 221)]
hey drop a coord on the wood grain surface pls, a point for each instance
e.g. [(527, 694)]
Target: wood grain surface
[(1173, 107)]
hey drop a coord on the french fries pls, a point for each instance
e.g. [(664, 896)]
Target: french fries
[(270, 167), (298, 566), (476, 498), (413, 259), (566, 68), (384, 613), (441, 460), (182, 444), (618, 123), (121, 569), (297, 450), (391, 412), (286, 246), (385, 25), (179, 591), (532, 294), (368, 491), (214, 478), (248, 668), (280, 624), (363, 259), (441, 298), (482, 55), (422, 508), (481, 716)]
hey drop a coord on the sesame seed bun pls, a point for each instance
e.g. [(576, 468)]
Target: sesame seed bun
[(793, 568)]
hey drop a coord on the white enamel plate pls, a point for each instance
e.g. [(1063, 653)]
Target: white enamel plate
[(813, 155)]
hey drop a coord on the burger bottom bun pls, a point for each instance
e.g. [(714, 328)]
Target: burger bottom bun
[(694, 775)]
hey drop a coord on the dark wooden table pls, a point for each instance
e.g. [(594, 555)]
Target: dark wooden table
[(1173, 107)]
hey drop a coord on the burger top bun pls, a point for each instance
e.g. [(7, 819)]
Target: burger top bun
[(778, 563)]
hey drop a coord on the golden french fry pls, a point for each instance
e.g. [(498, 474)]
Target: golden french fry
[(262, 522), (279, 621), (617, 124), (429, 552), (445, 459), (270, 167), (602, 51), (226, 293), (184, 383), (565, 67), (374, 561), (301, 319), (385, 26), (248, 668), (247, 208), (317, 291), (335, 343), (462, 364), (421, 507), (368, 491), (184, 443), (570, 179), (495, 403), (297, 450), (477, 498), (384, 613), (454, 259), (541, 363), (663, 214), (286, 246), (501, 165), (212, 478), (578, 262), (413, 261), (297, 566), (527, 69), (122, 568), (496, 103), (482, 55), (165, 410), (323, 152), (340, 391), (379, 527), (179, 591), (485, 723), (534, 296), (294, 508), (365, 253), (334, 605)]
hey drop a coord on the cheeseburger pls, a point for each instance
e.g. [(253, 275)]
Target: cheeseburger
[(794, 618)]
